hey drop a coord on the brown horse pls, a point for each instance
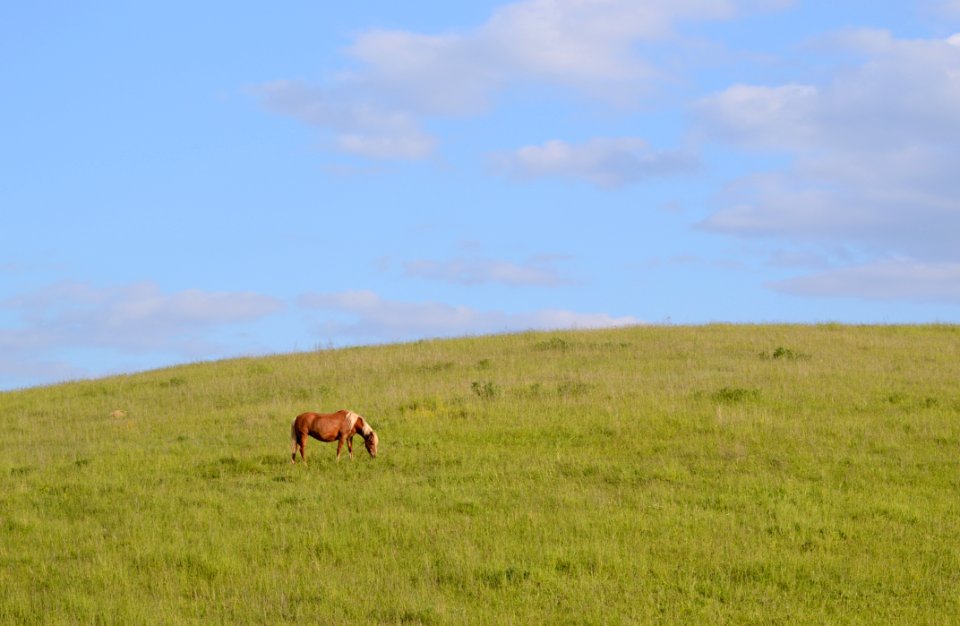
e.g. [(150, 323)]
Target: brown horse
[(340, 426)]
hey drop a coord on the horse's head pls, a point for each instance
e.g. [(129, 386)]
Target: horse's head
[(371, 441)]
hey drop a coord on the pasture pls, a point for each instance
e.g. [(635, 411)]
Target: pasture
[(669, 475)]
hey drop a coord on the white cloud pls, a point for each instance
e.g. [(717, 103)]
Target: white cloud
[(950, 8), (424, 74), (894, 279), (536, 272), (905, 91), (588, 46), (805, 259), (364, 316), (607, 162), (140, 306), (131, 319), (360, 128), (765, 117), (376, 107), (874, 153)]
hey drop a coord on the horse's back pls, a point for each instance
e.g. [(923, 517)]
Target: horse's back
[(322, 426)]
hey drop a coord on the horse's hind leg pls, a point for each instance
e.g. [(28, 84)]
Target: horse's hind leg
[(301, 445)]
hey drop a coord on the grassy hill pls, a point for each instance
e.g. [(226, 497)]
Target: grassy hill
[(716, 474)]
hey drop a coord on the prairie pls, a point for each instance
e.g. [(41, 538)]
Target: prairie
[(712, 474)]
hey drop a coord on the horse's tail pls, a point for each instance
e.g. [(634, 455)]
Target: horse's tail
[(293, 440)]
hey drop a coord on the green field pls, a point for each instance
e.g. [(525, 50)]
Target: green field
[(687, 475)]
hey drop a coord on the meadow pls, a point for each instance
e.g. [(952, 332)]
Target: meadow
[(649, 475)]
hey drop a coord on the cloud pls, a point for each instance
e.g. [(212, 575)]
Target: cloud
[(395, 79), (364, 316), (361, 128), (950, 8), (606, 162), (536, 272), (140, 309), (797, 259), (132, 319), (872, 156), (587, 46), (780, 117), (903, 91), (895, 279)]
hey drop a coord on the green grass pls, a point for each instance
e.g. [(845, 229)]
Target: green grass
[(716, 474)]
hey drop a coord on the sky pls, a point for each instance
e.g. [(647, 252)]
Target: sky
[(186, 181)]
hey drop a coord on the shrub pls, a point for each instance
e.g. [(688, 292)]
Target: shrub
[(782, 353), (735, 394), (555, 343), (485, 391)]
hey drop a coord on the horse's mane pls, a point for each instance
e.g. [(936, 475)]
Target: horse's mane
[(365, 429)]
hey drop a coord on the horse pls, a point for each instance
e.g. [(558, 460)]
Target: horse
[(340, 426)]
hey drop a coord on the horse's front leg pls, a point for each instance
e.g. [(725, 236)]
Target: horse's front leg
[(339, 447), (350, 446)]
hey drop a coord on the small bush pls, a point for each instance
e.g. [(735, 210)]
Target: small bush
[(485, 391), (572, 388), (500, 579), (895, 397), (735, 394), (785, 354), (443, 366), (555, 343), (424, 407)]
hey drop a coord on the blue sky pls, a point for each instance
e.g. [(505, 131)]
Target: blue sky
[(189, 181)]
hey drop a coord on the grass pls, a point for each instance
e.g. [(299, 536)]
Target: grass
[(716, 474)]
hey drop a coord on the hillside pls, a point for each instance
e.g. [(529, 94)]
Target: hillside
[(714, 474)]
